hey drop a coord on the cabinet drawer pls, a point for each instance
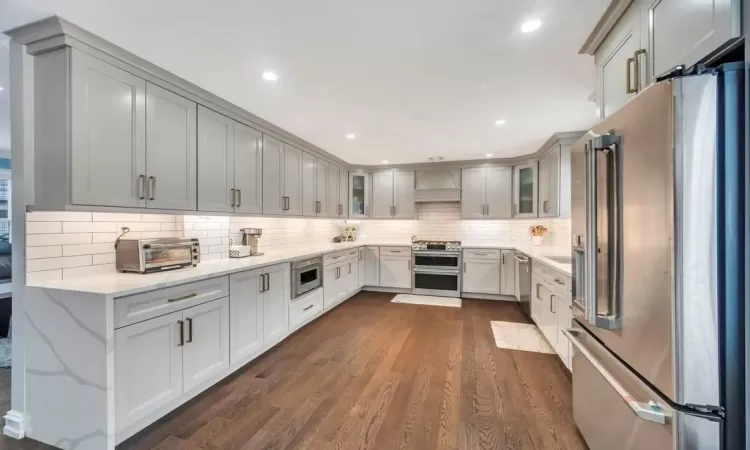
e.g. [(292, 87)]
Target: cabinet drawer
[(557, 280), (479, 253), (334, 257), (352, 253), (305, 308), (396, 251), (140, 307)]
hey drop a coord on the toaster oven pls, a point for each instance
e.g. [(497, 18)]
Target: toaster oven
[(156, 255)]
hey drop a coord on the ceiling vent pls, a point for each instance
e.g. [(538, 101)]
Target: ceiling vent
[(438, 185)]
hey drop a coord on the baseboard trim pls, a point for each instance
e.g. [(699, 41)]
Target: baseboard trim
[(505, 298), (387, 289), (15, 424)]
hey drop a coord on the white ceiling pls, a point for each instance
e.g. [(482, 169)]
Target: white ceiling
[(412, 79)]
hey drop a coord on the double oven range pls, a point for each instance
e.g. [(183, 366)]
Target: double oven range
[(436, 268)]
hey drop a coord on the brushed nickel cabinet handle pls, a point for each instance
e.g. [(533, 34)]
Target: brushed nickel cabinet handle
[(190, 330), (559, 281), (464, 266), (350, 268), (184, 297), (233, 193), (637, 65), (502, 256), (141, 187), (307, 307), (537, 291), (408, 263), (628, 78), (544, 206), (552, 301), (239, 197), (182, 333), (152, 188)]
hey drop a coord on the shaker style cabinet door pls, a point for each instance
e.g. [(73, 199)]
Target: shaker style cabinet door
[(108, 134), (395, 272), (382, 195), (321, 187), (245, 316), (248, 169), (344, 191), (273, 176), (549, 184), (334, 209), (473, 198), (215, 161), (206, 350), (525, 190), (148, 367), (276, 304), (372, 265), (171, 153), (309, 199), (507, 272), (499, 192), (403, 196), (293, 180), (481, 276)]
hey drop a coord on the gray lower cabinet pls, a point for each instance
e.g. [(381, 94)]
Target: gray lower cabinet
[(371, 257), (282, 178), (108, 129), (507, 272), (171, 154), (486, 193), (481, 276), (525, 187), (393, 195), (395, 271), (229, 172)]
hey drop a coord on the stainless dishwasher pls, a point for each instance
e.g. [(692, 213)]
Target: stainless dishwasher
[(523, 282)]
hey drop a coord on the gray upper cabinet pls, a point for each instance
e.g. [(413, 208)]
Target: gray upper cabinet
[(309, 199), (343, 191), (499, 188), (321, 187), (684, 31), (525, 186), (382, 195), (549, 183), (215, 161), (282, 178), (486, 193), (359, 194), (171, 155), (108, 133), (248, 169), (334, 206), (403, 195)]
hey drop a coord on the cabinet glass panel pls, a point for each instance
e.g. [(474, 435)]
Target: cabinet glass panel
[(526, 191), (358, 195)]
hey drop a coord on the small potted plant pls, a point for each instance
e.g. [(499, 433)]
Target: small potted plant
[(537, 231)]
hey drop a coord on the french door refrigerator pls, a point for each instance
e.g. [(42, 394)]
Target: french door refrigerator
[(658, 246)]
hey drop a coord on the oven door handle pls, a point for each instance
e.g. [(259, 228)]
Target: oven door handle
[(437, 253), (455, 271)]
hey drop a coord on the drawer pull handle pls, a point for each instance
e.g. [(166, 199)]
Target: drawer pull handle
[(479, 254), (307, 307), (558, 281), (190, 330), (184, 297)]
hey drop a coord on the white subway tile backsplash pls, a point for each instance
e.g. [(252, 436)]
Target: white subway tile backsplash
[(116, 217), (89, 227), (88, 249), (36, 240), (53, 251), (140, 226), (43, 227), (35, 265), (58, 216), (104, 258)]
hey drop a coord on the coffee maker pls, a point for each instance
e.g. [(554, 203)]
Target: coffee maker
[(249, 245)]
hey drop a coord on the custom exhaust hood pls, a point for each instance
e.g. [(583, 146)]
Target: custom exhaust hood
[(438, 185)]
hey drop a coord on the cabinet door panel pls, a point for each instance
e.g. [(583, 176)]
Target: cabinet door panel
[(148, 367), (549, 184), (330, 288), (564, 315), (395, 272), (352, 276), (507, 272), (612, 63), (684, 31), (321, 188), (276, 304), (344, 191), (248, 169), (333, 192), (215, 161), (206, 351), (359, 194), (293, 180), (525, 185), (309, 207), (472, 193), (273, 175), (382, 195), (245, 316), (537, 302), (361, 267), (171, 152), (481, 276), (499, 192), (108, 134), (403, 197), (372, 266)]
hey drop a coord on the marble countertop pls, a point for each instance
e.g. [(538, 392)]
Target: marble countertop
[(121, 284)]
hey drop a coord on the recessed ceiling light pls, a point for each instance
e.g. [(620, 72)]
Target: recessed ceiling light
[(351, 136), (270, 76), (531, 25), (500, 122), (385, 161), (489, 155)]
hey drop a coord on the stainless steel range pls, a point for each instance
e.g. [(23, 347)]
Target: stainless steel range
[(437, 268)]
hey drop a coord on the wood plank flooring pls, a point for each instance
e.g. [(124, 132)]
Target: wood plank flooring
[(377, 375)]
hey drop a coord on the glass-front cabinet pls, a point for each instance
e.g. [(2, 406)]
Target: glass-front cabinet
[(359, 194), (525, 188)]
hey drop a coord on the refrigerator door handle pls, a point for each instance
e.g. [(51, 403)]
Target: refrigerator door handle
[(604, 207), (651, 412)]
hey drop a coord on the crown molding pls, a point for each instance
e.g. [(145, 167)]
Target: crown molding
[(614, 11)]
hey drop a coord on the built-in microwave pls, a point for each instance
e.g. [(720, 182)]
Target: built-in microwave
[(307, 275)]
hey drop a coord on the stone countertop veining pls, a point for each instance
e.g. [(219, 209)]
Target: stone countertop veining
[(122, 284)]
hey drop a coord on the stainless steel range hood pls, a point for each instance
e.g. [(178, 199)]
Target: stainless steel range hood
[(438, 185)]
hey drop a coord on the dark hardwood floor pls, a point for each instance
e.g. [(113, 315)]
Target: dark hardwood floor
[(378, 375)]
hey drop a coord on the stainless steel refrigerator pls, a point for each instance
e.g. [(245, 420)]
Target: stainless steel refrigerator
[(658, 245)]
